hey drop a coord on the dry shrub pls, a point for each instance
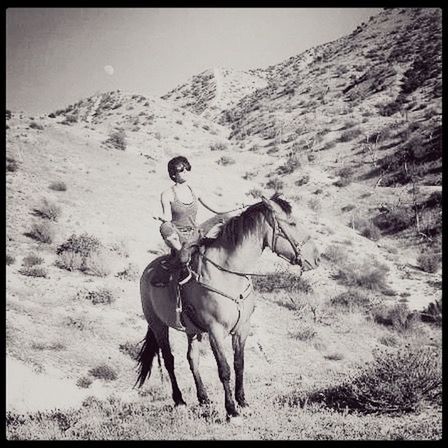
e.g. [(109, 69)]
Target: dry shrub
[(370, 274), (302, 181), (255, 192), (96, 264), (84, 382), (429, 262), (83, 244), (282, 281), (336, 254), (32, 260), (398, 316), (351, 300), (349, 134), (71, 261), (367, 228), (10, 259), (117, 139), (389, 340), (225, 160), (315, 204), (305, 332), (34, 271), (34, 125), (275, 183), (399, 381), (12, 164), (58, 186), (292, 163), (104, 372), (100, 296), (130, 273), (219, 146), (121, 248), (433, 312), (131, 349), (43, 232), (48, 210)]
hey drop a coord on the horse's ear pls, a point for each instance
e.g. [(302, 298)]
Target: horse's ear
[(267, 202)]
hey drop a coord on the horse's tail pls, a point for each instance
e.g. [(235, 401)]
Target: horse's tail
[(149, 349)]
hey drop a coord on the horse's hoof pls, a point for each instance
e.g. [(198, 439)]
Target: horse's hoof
[(236, 420), (243, 404), (180, 403)]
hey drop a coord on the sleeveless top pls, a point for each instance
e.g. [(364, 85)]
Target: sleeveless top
[(184, 215)]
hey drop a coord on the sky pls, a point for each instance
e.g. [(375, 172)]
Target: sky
[(58, 56)]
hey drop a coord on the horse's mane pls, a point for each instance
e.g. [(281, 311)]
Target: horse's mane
[(237, 227)]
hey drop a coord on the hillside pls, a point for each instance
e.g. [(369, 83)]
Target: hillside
[(349, 131)]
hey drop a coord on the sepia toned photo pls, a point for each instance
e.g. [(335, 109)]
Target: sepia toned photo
[(223, 223)]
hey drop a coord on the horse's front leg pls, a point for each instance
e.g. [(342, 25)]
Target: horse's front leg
[(193, 360), (216, 336), (238, 343)]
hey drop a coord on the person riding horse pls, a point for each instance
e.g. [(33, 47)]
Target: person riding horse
[(179, 229)]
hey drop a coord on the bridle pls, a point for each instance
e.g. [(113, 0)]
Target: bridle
[(279, 231)]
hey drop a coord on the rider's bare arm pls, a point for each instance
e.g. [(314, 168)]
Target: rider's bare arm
[(165, 200)]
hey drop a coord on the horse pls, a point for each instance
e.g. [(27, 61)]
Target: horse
[(219, 300)]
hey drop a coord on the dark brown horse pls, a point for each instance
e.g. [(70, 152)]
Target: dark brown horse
[(220, 299)]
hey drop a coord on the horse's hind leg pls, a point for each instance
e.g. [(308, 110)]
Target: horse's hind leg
[(216, 337), (161, 334), (193, 360), (238, 343)]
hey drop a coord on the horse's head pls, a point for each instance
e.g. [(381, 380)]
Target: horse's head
[(287, 238)]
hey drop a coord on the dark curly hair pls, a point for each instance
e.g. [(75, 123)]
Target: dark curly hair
[(174, 163)]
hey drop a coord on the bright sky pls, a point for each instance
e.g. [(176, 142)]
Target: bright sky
[(57, 56)]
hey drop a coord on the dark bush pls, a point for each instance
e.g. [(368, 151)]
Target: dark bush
[(34, 125), (103, 372), (395, 382), (351, 300), (34, 271), (370, 274), (83, 244), (32, 260), (58, 186), (429, 262), (291, 164), (11, 164), (433, 312), (10, 259), (282, 281), (117, 139), (128, 348), (42, 231)]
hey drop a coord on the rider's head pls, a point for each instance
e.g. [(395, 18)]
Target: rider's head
[(176, 165)]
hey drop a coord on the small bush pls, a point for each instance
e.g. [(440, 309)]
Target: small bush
[(225, 160), (10, 259), (34, 271), (219, 146), (83, 244), (429, 262), (275, 184), (117, 139), (48, 210), (314, 204), (103, 372), (302, 181), (351, 300), (58, 186), (398, 316), (96, 264), (395, 382), (305, 333), (367, 228), (291, 164), (389, 340), (71, 261), (70, 119), (255, 192), (282, 281), (370, 274), (348, 208), (103, 296), (349, 135), (130, 273), (336, 254), (433, 312), (32, 260), (34, 125), (334, 356), (43, 232), (11, 164), (84, 382), (128, 348)]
